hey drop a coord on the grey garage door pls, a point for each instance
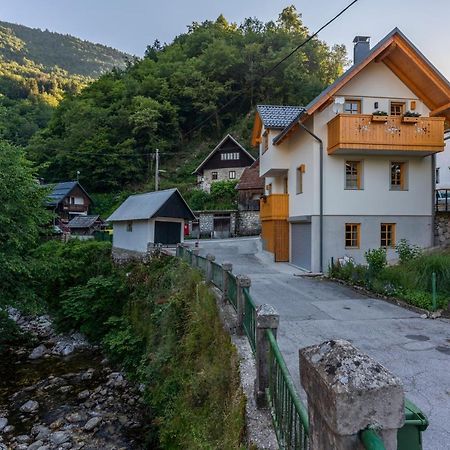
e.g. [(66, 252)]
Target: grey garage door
[(167, 232), (301, 245)]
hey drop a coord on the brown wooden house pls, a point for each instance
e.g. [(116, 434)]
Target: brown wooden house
[(69, 199), (250, 188)]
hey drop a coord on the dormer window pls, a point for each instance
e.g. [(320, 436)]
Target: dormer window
[(352, 106)]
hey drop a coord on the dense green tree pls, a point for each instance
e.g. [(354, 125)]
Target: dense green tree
[(172, 100), (22, 216)]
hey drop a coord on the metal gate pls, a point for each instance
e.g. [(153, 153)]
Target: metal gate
[(167, 233)]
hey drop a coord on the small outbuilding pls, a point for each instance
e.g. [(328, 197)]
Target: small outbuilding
[(152, 218), (85, 225)]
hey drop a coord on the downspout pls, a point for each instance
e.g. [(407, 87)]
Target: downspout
[(433, 197), (320, 194)]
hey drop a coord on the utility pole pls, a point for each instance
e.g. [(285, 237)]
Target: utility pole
[(157, 170)]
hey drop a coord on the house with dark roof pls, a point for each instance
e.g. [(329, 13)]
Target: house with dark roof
[(143, 220), (68, 199), (226, 161), (250, 188), (354, 169)]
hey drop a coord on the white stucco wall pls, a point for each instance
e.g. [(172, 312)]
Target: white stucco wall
[(443, 162), (142, 234)]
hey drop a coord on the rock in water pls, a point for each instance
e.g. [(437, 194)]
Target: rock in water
[(3, 423), (38, 352), (30, 406), (59, 437), (92, 423)]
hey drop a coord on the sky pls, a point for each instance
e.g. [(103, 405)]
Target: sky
[(130, 25)]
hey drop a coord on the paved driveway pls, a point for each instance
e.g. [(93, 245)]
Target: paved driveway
[(313, 310)]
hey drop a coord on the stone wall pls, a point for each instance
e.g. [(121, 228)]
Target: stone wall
[(248, 223), (442, 229)]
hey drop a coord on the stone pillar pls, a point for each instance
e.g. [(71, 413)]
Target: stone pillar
[(226, 269), (347, 392), (209, 259), (195, 253), (242, 282), (266, 318), (178, 252)]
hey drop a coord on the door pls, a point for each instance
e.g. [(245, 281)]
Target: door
[(222, 227), (167, 233), (301, 245)]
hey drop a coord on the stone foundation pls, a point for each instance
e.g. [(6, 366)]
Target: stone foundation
[(442, 229)]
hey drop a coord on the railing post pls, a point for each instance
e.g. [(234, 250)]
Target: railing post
[(267, 318), (195, 253), (209, 259), (178, 251), (226, 269), (349, 392), (242, 282)]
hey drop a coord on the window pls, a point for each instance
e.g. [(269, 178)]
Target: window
[(232, 174), (387, 235), (229, 156), (352, 107), (438, 175), (269, 189), (397, 108), (214, 175), (398, 176), (352, 231), (72, 200), (130, 227), (300, 172), (353, 175)]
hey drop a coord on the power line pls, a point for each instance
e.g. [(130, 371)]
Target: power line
[(269, 71)]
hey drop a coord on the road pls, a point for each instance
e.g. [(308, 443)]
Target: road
[(314, 310)]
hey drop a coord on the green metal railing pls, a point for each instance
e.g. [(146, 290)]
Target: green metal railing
[(290, 416), (371, 440), (232, 289), (201, 263), (217, 275), (249, 319)]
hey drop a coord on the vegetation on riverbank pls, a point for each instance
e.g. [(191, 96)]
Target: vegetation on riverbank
[(409, 280)]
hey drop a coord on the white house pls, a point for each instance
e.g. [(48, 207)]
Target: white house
[(151, 218), (354, 169), (443, 165)]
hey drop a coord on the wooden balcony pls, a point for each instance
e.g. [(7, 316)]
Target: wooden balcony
[(361, 133), (274, 207)]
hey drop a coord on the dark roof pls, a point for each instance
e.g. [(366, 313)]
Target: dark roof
[(82, 221), (62, 190), (250, 178), (152, 204), (217, 147), (278, 116)]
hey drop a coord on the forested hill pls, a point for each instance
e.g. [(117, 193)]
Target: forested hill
[(37, 68), (51, 50), (109, 131)]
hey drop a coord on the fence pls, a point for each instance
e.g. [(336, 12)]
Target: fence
[(442, 200), (289, 414)]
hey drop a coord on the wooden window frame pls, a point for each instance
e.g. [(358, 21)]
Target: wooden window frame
[(358, 235), (359, 169), (397, 103), (129, 227), (355, 101), (387, 229), (214, 176), (299, 179), (231, 172), (403, 186)]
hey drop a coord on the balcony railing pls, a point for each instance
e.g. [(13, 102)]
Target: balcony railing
[(274, 207), (393, 134), (443, 200)]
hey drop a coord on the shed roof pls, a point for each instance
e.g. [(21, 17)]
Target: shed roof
[(62, 190), (250, 178), (152, 204), (82, 221)]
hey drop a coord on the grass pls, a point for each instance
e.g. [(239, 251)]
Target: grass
[(409, 281)]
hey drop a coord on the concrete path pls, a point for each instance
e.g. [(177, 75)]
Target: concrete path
[(314, 310)]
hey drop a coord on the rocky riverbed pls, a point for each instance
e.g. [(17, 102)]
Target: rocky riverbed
[(63, 394)]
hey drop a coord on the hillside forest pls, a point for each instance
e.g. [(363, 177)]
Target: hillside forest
[(172, 100)]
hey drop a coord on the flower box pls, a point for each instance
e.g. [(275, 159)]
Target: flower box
[(409, 119), (379, 118)]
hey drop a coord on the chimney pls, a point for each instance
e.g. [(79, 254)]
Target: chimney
[(361, 48)]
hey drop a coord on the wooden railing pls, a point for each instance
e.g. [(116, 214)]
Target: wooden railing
[(367, 132), (274, 207)]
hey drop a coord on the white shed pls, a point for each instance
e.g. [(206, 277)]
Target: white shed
[(155, 217)]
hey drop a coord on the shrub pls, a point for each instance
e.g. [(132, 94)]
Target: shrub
[(376, 259), (406, 251)]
